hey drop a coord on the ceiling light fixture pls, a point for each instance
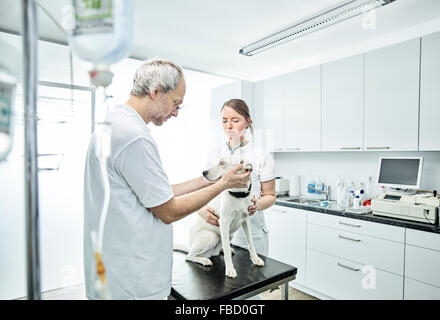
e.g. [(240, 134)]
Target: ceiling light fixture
[(344, 12)]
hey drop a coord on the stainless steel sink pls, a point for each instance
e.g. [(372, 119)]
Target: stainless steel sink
[(304, 201)]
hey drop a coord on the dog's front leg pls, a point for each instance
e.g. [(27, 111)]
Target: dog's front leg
[(247, 231), (226, 244)]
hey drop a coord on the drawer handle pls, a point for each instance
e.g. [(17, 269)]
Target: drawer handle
[(282, 211), (344, 266), (293, 149), (378, 148), (349, 224), (350, 148), (347, 238)]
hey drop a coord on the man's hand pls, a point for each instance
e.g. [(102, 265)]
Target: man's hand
[(253, 208), (233, 180), (208, 215)]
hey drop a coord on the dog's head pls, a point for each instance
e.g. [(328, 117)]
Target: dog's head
[(223, 165)]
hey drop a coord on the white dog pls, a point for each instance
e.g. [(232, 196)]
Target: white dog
[(231, 206)]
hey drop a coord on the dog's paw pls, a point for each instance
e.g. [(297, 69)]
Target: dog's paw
[(257, 261), (231, 272), (206, 261)]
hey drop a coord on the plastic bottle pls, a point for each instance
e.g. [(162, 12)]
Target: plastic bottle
[(7, 99), (319, 185), (340, 190), (345, 198), (311, 184), (103, 30), (356, 201), (352, 187), (369, 188)]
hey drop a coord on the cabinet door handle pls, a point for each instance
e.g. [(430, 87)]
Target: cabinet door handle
[(282, 211), (350, 148), (344, 266), (378, 148), (349, 224), (347, 238)]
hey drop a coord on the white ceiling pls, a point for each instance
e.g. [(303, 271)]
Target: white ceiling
[(206, 35)]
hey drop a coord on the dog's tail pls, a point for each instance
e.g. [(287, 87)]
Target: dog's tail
[(180, 247)]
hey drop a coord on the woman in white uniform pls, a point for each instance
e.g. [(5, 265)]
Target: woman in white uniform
[(236, 121)]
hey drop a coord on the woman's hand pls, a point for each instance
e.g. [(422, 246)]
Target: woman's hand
[(208, 215), (253, 208)]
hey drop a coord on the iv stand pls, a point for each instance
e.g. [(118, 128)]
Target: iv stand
[(30, 39)]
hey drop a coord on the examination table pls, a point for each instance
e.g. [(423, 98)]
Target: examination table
[(193, 281)]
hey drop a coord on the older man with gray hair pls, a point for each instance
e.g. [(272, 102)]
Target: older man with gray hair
[(138, 236)]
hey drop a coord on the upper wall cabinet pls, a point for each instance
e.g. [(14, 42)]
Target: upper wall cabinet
[(343, 104), (302, 110), (392, 97), (271, 97), (430, 93), (236, 90)]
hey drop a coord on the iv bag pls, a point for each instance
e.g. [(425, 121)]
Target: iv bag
[(103, 30)]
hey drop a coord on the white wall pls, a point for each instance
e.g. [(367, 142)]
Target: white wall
[(356, 166)]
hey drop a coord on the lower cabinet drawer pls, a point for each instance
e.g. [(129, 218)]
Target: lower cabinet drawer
[(422, 264), (346, 280), (416, 290), (383, 254)]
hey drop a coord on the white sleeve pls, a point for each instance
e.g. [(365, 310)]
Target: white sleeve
[(268, 168), (140, 165)]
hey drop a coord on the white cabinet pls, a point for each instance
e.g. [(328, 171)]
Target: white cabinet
[(236, 90), (416, 290), (368, 228), (382, 254), (430, 93), (287, 237), (347, 258), (343, 104), (344, 279), (392, 97), (354, 259), (271, 96), (422, 262), (302, 110)]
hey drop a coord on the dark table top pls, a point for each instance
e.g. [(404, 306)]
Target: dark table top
[(192, 281)]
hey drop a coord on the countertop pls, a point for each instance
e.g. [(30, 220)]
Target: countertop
[(338, 210)]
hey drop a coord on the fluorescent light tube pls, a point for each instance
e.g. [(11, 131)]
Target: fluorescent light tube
[(344, 12)]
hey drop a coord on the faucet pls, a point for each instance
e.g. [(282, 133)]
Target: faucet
[(326, 193)]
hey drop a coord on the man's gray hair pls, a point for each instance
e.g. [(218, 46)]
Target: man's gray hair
[(156, 74)]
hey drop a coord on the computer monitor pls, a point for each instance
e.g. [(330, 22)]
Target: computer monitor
[(400, 172)]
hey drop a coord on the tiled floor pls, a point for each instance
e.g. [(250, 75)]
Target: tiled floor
[(78, 293)]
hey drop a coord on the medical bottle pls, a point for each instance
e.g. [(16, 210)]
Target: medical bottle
[(369, 188), (362, 191), (103, 30), (311, 185), (340, 190), (352, 187), (7, 100), (356, 201), (345, 198)]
